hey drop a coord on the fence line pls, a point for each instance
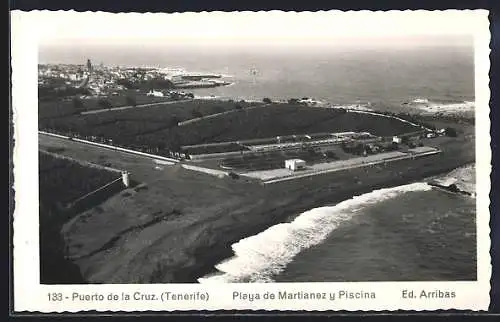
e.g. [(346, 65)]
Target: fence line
[(218, 114), (111, 147), (390, 116), (84, 163), (102, 110), (95, 191)]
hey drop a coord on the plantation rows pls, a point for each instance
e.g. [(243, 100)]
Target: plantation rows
[(62, 181), (122, 124), (155, 128), (233, 147), (283, 121), (67, 106)]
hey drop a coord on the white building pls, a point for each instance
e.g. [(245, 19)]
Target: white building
[(126, 178), (396, 139), (295, 164)]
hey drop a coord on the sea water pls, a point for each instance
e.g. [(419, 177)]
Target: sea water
[(409, 233), (424, 76)]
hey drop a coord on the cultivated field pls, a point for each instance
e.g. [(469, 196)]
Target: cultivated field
[(155, 130), (65, 107)]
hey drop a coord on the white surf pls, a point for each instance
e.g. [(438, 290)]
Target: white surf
[(258, 258)]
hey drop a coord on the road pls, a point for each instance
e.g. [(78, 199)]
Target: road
[(131, 106)]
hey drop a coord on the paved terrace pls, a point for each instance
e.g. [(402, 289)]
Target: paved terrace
[(277, 175)]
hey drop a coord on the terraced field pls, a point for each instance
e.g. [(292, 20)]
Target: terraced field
[(155, 128)]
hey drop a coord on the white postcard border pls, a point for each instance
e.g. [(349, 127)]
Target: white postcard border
[(30, 296)]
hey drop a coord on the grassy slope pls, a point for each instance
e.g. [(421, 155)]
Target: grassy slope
[(61, 181)]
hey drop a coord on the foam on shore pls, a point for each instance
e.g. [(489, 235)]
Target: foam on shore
[(464, 178), (358, 106), (426, 105), (258, 258)]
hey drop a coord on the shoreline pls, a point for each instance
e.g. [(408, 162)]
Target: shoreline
[(207, 259)]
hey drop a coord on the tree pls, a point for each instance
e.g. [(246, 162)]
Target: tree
[(131, 101), (393, 147), (174, 121), (238, 106), (449, 131), (161, 83), (196, 113), (267, 100), (175, 143), (127, 83), (161, 146), (330, 154), (104, 103), (78, 104), (218, 109)]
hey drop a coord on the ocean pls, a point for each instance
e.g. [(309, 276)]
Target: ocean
[(411, 232), (385, 78)]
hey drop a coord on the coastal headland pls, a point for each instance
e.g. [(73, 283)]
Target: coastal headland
[(178, 224)]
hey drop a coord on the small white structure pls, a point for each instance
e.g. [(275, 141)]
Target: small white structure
[(396, 139), (295, 164), (155, 93), (126, 178)]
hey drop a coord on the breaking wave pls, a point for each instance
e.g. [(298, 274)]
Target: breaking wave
[(464, 178), (258, 258), (444, 107), (355, 106)]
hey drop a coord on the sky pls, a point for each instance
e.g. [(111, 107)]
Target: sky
[(254, 29)]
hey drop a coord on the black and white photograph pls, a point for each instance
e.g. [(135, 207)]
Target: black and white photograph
[(264, 148)]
